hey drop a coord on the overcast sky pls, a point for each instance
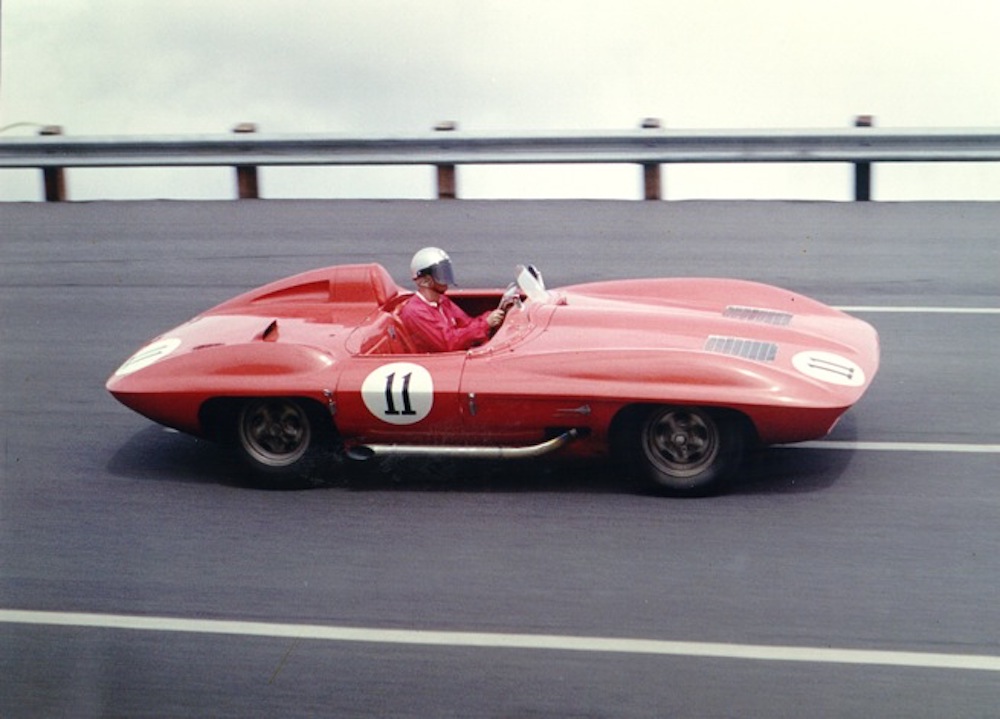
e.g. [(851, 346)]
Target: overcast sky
[(113, 67)]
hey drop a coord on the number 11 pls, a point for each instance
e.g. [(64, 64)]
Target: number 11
[(390, 401)]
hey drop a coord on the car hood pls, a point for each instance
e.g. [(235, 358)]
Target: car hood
[(691, 333)]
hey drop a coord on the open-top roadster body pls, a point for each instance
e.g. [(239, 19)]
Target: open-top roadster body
[(674, 376)]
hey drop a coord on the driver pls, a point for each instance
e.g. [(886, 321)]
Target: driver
[(433, 321)]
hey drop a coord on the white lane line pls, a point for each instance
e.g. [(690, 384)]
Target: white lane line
[(492, 640), (923, 310), (899, 447)]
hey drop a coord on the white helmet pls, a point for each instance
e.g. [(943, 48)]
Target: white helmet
[(434, 262)]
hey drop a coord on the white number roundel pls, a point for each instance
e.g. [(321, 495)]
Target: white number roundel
[(829, 367), (150, 354), (399, 393)]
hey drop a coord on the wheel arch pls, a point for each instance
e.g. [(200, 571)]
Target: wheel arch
[(217, 415), (731, 432), (626, 417)]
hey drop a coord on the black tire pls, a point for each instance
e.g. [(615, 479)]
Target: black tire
[(283, 442), (686, 451)]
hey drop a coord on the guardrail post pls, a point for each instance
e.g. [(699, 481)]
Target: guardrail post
[(54, 178), (651, 172), (246, 175), (863, 170), (447, 183)]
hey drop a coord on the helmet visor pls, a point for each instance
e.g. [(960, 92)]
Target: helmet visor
[(441, 273)]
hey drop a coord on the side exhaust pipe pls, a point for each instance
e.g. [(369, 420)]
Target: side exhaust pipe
[(367, 451)]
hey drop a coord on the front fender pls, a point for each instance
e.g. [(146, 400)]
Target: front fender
[(646, 375)]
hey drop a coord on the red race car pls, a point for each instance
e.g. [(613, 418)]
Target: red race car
[(674, 376)]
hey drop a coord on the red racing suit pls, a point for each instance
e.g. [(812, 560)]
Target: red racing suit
[(442, 326)]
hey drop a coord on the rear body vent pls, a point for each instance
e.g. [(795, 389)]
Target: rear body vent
[(754, 314), (754, 350)]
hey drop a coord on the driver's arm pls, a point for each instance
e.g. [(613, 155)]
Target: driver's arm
[(495, 318)]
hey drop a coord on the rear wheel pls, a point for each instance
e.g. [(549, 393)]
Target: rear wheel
[(282, 441), (686, 451)]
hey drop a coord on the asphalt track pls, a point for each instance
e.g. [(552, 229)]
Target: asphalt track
[(855, 577)]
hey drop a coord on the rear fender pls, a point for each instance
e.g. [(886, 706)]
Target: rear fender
[(226, 366), (217, 417), (173, 390)]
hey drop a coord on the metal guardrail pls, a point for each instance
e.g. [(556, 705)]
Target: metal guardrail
[(445, 148)]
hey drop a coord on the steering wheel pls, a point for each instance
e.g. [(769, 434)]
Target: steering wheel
[(511, 297)]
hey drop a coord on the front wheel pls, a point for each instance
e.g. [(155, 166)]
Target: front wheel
[(687, 451), (281, 441)]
